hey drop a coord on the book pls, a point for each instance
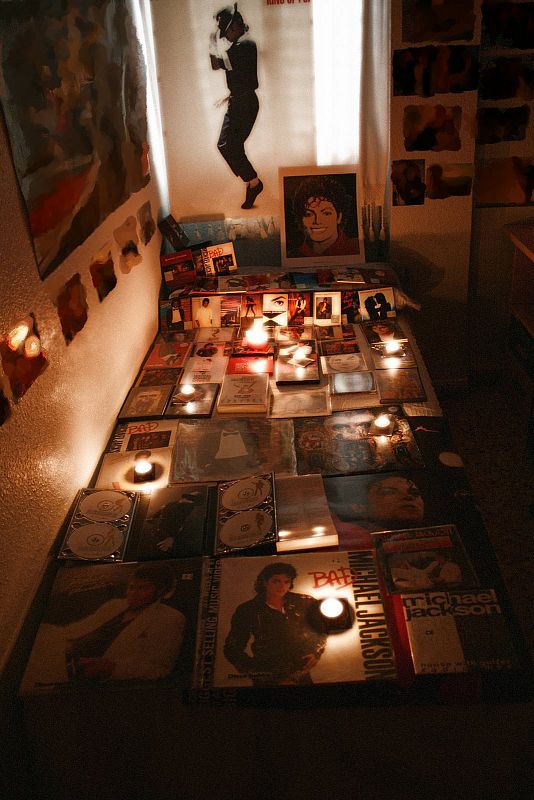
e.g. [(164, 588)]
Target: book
[(217, 259), (244, 393), (244, 642), (424, 558), (458, 631), (304, 521), (155, 647)]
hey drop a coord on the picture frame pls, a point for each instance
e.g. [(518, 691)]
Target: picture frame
[(334, 238)]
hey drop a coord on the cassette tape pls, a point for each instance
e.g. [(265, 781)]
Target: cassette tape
[(246, 514), (99, 526)]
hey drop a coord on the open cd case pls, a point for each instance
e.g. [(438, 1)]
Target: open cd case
[(99, 526), (246, 514)]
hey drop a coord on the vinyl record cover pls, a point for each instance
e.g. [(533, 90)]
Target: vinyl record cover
[(117, 470), (167, 353), (424, 559), (143, 402), (143, 435), (458, 631), (270, 631), (217, 450), (377, 304), (383, 330), (112, 625), (176, 523), (364, 440)]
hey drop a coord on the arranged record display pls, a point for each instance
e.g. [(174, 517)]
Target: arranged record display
[(100, 524), (246, 514)]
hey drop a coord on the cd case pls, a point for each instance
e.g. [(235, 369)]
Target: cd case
[(99, 526), (246, 514)]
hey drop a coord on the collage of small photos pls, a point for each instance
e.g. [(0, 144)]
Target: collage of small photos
[(267, 513)]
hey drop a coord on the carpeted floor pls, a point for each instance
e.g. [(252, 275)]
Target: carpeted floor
[(488, 424)]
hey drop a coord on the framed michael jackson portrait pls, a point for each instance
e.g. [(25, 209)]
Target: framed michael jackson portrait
[(319, 216)]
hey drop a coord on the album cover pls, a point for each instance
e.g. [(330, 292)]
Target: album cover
[(304, 521), (251, 309), (230, 310), (257, 646), (458, 631), (143, 402), (426, 559), (326, 308), (297, 363), (219, 450), (352, 382), (177, 523), (364, 440), (307, 403), (295, 334), (214, 335), (415, 498), (383, 330), (241, 347), (377, 304), (244, 393), (347, 361), (142, 435), (392, 355), (165, 376), (336, 332), (253, 365), (232, 283), (400, 385), (174, 314), (167, 353), (148, 613), (218, 259), (274, 309), (178, 269), (192, 400), (246, 515), (117, 470), (206, 311), (300, 311), (207, 363), (99, 526)]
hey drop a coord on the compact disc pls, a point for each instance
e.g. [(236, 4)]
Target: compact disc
[(105, 506), (246, 493), (246, 529), (97, 540)]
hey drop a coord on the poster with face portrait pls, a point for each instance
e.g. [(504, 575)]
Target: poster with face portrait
[(319, 216)]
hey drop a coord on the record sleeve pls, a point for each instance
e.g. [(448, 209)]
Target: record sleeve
[(167, 353), (89, 640), (192, 400), (257, 646), (424, 559), (246, 514), (143, 402), (99, 526), (142, 435), (117, 470), (244, 393)]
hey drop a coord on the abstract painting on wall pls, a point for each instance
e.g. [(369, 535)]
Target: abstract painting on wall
[(73, 92)]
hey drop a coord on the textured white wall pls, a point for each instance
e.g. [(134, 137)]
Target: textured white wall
[(52, 442)]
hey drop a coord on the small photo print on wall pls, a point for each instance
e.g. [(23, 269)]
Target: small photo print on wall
[(147, 226), (128, 240), (502, 124), (407, 182), (319, 216), (505, 78), (72, 307), (430, 70), (445, 21), (505, 181), (448, 180), (102, 272), (432, 128), (507, 25)]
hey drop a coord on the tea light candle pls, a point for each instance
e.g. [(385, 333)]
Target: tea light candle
[(331, 607), (257, 336)]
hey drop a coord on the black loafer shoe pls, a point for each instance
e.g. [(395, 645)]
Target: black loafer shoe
[(252, 193)]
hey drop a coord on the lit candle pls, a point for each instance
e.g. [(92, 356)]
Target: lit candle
[(331, 608), (392, 347), (382, 421), (18, 334), (257, 336), (32, 346), (186, 389), (144, 470)]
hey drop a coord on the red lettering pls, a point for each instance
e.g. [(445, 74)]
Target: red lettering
[(144, 427), (338, 578)]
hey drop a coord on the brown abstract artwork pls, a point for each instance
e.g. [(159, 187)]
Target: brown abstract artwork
[(79, 142), (72, 307), (103, 273)]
